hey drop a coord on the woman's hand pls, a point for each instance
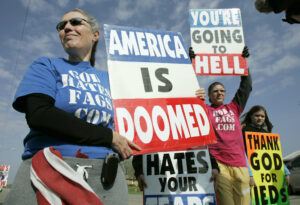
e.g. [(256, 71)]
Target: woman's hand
[(123, 146), (201, 94)]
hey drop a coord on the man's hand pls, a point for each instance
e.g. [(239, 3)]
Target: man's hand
[(191, 53), (245, 53), (142, 182), (201, 93)]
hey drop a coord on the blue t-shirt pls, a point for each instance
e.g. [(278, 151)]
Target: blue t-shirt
[(78, 89)]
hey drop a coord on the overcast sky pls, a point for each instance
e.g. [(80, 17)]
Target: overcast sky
[(273, 45)]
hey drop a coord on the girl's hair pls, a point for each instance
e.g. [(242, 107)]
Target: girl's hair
[(95, 27), (254, 109), (211, 86)]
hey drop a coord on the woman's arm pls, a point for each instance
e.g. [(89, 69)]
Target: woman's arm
[(42, 115)]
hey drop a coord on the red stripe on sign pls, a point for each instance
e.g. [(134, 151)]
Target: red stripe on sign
[(164, 124), (220, 64)]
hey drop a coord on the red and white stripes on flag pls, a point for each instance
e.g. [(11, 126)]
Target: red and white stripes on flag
[(57, 183)]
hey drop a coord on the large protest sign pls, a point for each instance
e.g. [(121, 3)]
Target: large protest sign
[(218, 41), (4, 169), (178, 178), (265, 159), (153, 89)]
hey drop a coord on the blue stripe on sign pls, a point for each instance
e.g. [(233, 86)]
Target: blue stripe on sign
[(143, 45), (181, 199), (215, 18)]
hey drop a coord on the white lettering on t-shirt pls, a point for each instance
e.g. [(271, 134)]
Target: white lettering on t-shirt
[(86, 89), (224, 120)]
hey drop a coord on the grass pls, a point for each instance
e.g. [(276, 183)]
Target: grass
[(134, 190)]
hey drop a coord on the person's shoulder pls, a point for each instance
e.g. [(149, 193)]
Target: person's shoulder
[(247, 128), (48, 60), (50, 64), (235, 105), (254, 128)]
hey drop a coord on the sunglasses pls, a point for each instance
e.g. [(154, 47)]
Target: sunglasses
[(73, 21), (221, 90)]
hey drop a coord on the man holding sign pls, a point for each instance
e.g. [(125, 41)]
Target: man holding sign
[(233, 180)]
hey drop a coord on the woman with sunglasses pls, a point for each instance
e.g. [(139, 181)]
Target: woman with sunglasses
[(229, 151), (257, 120), (69, 111)]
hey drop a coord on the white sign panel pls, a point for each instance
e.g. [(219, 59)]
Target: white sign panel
[(217, 39), (178, 178), (153, 89)]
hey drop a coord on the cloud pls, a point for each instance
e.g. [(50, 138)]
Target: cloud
[(146, 5), (5, 69), (258, 80), (271, 85), (34, 46), (125, 11), (272, 55), (82, 3), (284, 64), (62, 3), (287, 81), (8, 79), (3, 105), (196, 4), (291, 38), (12, 123), (280, 65), (265, 43), (263, 89), (268, 43), (37, 6)]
